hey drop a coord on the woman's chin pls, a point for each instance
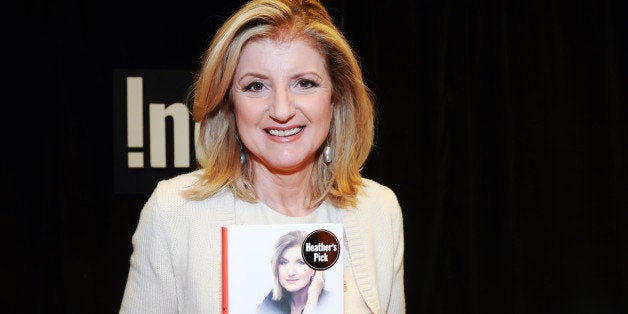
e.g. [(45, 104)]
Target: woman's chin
[(286, 166), (294, 288)]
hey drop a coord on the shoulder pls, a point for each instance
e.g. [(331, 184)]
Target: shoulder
[(167, 199), (375, 192), (268, 306), (168, 194), (175, 185), (377, 204), (372, 185)]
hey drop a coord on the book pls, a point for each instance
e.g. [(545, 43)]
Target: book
[(256, 258)]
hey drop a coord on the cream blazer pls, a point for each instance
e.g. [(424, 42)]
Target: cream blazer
[(176, 262)]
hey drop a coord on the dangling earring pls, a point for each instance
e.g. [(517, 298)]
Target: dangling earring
[(242, 154), (327, 153)]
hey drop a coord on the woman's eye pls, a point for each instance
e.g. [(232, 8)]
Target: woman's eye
[(283, 262), (254, 87), (306, 84)]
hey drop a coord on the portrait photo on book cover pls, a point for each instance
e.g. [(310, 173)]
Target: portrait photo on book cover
[(272, 269)]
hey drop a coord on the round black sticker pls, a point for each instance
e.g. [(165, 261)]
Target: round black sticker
[(320, 249)]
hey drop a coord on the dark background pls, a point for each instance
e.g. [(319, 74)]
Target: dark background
[(502, 130)]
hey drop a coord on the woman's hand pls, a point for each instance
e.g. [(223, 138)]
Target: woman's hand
[(317, 284), (314, 291)]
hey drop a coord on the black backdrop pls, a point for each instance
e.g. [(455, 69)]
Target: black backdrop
[(502, 129)]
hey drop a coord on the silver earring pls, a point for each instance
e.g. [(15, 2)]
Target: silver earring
[(242, 155), (327, 153)]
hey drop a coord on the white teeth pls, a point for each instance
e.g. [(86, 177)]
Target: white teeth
[(284, 132)]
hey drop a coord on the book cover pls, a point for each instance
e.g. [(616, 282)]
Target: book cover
[(269, 269)]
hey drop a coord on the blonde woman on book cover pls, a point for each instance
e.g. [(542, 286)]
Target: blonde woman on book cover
[(286, 125), (296, 287)]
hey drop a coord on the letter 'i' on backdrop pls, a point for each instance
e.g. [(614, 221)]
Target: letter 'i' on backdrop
[(153, 130)]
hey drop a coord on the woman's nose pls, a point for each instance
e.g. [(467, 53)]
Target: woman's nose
[(282, 108), (290, 269)]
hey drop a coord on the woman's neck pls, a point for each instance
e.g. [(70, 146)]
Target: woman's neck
[(298, 300), (288, 194)]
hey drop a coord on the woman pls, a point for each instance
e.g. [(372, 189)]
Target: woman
[(296, 286), (287, 124)]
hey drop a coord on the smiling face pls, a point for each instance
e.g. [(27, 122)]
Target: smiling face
[(294, 274), (282, 93)]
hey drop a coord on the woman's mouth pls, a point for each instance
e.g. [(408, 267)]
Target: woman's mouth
[(282, 133)]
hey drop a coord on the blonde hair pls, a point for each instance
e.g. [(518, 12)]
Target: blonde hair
[(287, 241), (352, 128)]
